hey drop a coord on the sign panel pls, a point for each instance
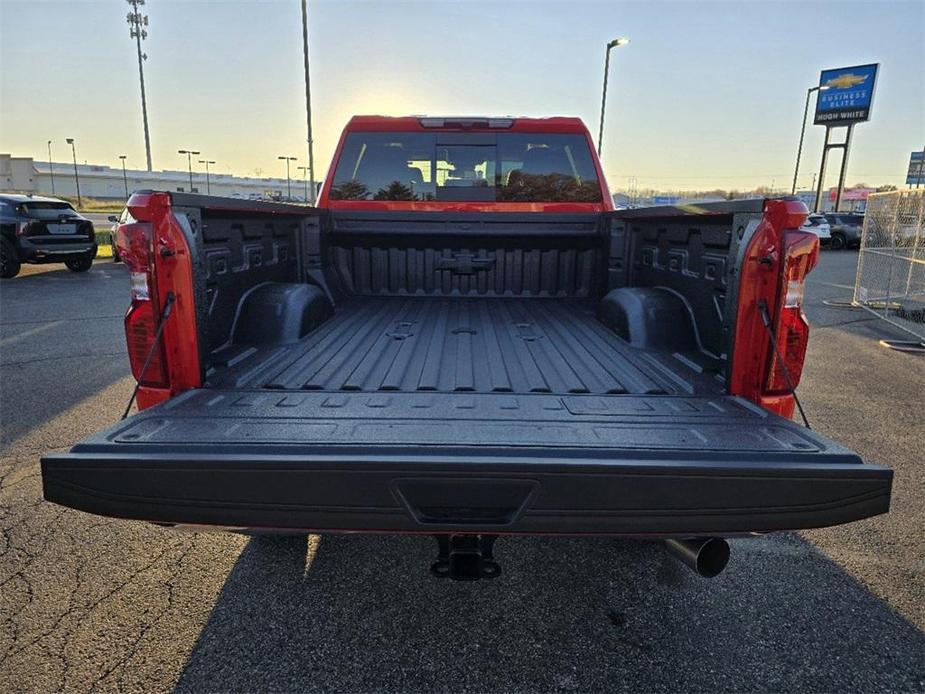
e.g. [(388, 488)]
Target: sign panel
[(851, 193), (847, 97), (916, 173), (665, 200)]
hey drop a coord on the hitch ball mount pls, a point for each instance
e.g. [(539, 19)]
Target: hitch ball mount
[(465, 557)]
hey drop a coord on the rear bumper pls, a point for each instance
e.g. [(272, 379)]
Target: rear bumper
[(57, 252), (470, 492)]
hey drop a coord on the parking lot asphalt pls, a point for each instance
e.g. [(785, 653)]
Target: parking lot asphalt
[(89, 603)]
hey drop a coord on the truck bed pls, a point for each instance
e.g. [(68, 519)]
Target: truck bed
[(456, 378), (462, 345), (448, 414)]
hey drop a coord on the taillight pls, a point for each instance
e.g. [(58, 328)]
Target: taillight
[(140, 287), (149, 367), (140, 333), (801, 251)]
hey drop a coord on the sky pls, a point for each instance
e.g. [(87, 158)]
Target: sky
[(706, 95)]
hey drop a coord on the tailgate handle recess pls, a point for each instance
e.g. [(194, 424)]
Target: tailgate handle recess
[(458, 501)]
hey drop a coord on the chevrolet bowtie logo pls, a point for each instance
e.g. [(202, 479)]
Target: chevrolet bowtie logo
[(846, 81), (465, 263)]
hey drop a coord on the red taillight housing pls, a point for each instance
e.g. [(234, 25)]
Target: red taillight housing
[(801, 252), (135, 243), (770, 298)]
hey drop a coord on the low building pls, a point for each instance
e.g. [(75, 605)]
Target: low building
[(25, 175), (852, 200)]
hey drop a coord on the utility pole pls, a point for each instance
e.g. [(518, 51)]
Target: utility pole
[(304, 170), (600, 132), (124, 177), (51, 169), (208, 185), (137, 30), (918, 180), (308, 100), (70, 141), (288, 182), (189, 160)]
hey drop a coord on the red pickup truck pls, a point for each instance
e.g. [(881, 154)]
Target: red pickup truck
[(465, 340)]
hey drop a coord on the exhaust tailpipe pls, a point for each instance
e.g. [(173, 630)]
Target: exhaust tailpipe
[(706, 556)]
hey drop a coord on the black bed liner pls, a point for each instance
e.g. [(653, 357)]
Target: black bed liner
[(224, 420), (495, 345)]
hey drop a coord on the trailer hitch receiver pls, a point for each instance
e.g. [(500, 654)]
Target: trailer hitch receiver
[(465, 557)]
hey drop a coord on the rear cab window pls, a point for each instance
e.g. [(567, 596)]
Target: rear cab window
[(466, 166)]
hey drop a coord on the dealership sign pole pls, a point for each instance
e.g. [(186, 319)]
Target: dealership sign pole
[(846, 102)]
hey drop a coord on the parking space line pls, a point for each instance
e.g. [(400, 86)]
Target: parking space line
[(28, 333)]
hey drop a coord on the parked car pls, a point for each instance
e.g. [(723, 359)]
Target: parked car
[(464, 339), (900, 230), (36, 229), (818, 225), (845, 229), (116, 221)]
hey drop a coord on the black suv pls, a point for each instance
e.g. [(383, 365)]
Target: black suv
[(34, 229), (846, 229)]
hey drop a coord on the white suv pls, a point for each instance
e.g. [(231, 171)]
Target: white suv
[(818, 225)]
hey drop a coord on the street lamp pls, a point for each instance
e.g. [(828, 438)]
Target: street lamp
[(70, 141), (189, 160), (304, 170), (308, 100), (796, 169), (612, 44), (208, 185), (138, 30), (51, 169), (288, 184), (124, 177)]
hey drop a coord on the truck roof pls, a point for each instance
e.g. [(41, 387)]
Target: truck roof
[(20, 197), (557, 124)]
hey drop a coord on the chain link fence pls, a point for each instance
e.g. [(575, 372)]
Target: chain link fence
[(891, 269)]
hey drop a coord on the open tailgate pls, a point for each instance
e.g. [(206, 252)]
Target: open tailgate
[(435, 462)]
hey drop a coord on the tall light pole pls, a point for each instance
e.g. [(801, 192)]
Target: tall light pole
[(124, 177), (70, 141), (919, 179), (51, 169), (796, 169), (612, 44), (138, 23), (288, 183), (189, 160), (208, 185), (308, 100), (304, 170)]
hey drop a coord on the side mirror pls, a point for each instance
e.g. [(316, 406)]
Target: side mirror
[(112, 218)]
